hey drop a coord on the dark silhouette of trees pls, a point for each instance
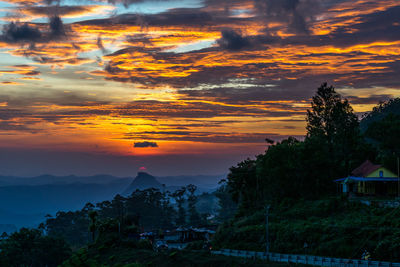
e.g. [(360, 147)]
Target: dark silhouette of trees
[(227, 206), (303, 169), (29, 247), (93, 224), (179, 196), (333, 127), (194, 216)]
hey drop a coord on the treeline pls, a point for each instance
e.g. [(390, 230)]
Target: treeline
[(305, 169), (143, 210), (295, 178), (106, 224)]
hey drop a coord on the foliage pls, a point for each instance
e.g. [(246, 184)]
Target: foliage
[(124, 256), (333, 126), (29, 247), (144, 209), (194, 216), (303, 169), (328, 227), (71, 226), (179, 196), (227, 207), (381, 127), (379, 112), (386, 133)]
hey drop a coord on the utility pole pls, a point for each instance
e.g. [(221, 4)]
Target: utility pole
[(266, 231)]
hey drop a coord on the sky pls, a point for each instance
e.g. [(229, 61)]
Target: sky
[(179, 86)]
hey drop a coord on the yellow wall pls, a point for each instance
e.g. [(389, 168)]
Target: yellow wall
[(386, 173)]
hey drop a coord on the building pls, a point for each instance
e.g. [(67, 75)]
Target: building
[(195, 234), (369, 180)]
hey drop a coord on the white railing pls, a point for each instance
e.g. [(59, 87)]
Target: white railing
[(305, 259)]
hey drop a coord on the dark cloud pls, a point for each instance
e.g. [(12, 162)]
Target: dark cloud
[(56, 27), (372, 99), (184, 17), (145, 144), (55, 10), (160, 109), (6, 126), (17, 32), (101, 46), (233, 40), (377, 26), (208, 137), (296, 14), (11, 113)]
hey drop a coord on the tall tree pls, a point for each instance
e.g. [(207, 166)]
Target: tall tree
[(179, 196), (93, 224), (244, 185), (194, 216), (333, 126), (227, 207)]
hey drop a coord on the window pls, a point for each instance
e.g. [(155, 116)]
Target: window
[(380, 173)]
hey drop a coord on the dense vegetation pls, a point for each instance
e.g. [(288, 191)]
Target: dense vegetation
[(131, 254), (294, 177), (296, 169), (143, 210), (329, 227), (29, 247)]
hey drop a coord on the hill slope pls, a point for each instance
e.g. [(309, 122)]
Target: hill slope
[(379, 112)]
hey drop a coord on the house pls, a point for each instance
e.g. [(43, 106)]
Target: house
[(195, 234), (369, 180)]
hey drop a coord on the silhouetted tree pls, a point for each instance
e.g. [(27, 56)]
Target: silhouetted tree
[(333, 128), (179, 196), (28, 247), (93, 224), (194, 216)]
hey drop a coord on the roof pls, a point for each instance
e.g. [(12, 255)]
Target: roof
[(364, 179), (364, 169), (196, 230)]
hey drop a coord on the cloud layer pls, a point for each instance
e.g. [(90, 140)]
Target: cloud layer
[(96, 76)]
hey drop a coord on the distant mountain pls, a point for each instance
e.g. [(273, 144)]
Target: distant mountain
[(70, 179), (143, 181), (26, 205), (24, 201), (203, 181)]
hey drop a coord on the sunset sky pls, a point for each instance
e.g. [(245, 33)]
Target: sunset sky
[(179, 86)]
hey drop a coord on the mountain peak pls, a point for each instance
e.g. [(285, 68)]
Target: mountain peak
[(142, 181)]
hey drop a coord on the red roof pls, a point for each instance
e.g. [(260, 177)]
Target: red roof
[(364, 169)]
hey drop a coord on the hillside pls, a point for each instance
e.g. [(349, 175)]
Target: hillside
[(327, 227), (379, 112)]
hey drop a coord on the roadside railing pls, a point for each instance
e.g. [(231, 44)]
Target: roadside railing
[(305, 259)]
